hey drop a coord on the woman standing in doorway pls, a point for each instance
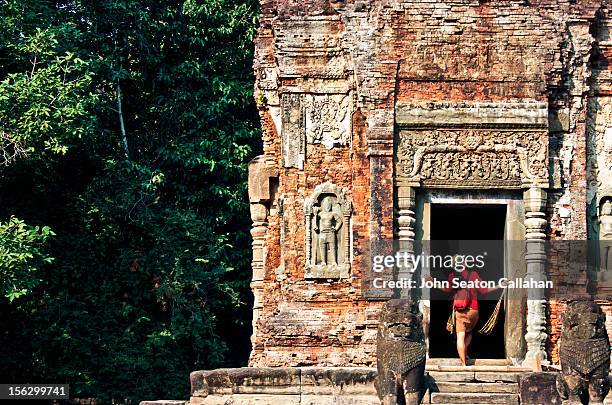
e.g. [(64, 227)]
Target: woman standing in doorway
[(465, 306)]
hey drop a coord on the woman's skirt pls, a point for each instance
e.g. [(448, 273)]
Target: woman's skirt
[(465, 321)]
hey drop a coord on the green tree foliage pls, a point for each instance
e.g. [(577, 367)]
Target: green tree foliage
[(21, 257), (125, 128)]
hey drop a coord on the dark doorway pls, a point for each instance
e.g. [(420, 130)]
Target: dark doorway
[(451, 226)]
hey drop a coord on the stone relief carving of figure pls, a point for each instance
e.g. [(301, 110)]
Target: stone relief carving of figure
[(605, 219), (584, 354), (607, 147), (327, 225), (328, 215), (426, 169), (605, 234), (328, 120), (400, 353)]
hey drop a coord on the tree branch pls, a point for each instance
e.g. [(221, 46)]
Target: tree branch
[(120, 112)]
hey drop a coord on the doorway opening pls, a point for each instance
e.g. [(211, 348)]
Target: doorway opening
[(452, 225)]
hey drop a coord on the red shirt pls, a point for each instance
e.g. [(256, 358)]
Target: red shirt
[(473, 277)]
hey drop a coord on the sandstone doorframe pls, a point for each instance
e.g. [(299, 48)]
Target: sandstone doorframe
[(470, 146), (514, 264)]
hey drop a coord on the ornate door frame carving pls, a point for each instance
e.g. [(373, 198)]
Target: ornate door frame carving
[(515, 305), (494, 146), (472, 146)]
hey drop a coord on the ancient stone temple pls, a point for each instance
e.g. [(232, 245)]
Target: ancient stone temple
[(416, 120)]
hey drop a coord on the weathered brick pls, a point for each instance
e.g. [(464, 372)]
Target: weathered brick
[(379, 54)]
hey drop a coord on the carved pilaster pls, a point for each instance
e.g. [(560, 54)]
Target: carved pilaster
[(405, 215), (308, 212), (260, 198), (293, 133), (259, 216), (535, 258), (347, 210), (406, 219), (381, 195)]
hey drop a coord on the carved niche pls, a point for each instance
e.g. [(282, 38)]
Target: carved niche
[(599, 144), (605, 234), (328, 214), (605, 218), (474, 146)]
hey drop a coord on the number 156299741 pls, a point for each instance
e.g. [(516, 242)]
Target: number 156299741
[(34, 391)]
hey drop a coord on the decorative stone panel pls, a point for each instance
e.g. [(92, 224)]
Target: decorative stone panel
[(294, 142), (328, 215), (313, 119), (328, 120), (473, 145)]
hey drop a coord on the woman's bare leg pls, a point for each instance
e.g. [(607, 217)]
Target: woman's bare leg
[(461, 347), (468, 340)]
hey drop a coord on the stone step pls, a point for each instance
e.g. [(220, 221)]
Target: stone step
[(473, 398), (165, 402), (476, 387), (441, 361), (488, 368), (474, 376)]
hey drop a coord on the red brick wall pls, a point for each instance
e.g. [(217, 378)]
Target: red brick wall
[(382, 52)]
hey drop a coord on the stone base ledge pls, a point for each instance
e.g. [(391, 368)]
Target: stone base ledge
[(263, 399), (305, 385), (345, 386)]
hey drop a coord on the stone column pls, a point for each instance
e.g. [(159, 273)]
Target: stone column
[(535, 258), (260, 198), (406, 219), (346, 223), (309, 248), (259, 216)]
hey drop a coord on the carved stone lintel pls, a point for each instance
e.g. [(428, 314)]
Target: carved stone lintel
[(473, 145), (535, 258), (473, 158), (327, 217)]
